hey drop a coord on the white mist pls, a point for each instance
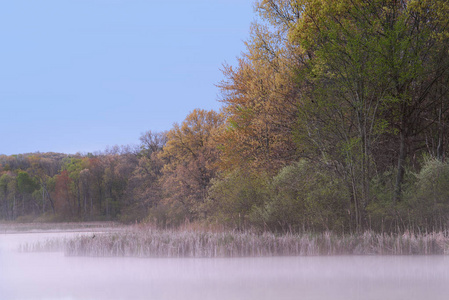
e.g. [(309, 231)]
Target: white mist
[(45, 276)]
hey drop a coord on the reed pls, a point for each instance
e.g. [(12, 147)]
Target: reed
[(140, 242), (48, 245)]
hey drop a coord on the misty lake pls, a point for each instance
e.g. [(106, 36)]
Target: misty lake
[(45, 276)]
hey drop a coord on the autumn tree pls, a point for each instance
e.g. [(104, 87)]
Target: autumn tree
[(144, 185), (64, 203), (190, 157), (119, 164), (152, 142), (261, 94)]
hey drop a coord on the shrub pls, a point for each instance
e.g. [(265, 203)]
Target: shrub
[(25, 219), (168, 214), (429, 197), (424, 205), (232, 198), (383, 213), (305, 197), (133, 213)]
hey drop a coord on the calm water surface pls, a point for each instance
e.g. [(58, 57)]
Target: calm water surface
[(53, 276)]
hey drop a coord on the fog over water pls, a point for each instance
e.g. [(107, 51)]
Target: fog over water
[(54, 276)]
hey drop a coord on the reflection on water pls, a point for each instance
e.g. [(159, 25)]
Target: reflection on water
[(54, 276)]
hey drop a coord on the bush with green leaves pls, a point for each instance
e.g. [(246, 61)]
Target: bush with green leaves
[(424, 205), (384, 213), (305, 197), (429, 197), (232, 198)]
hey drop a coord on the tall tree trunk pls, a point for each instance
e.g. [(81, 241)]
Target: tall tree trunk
[(51, 200)]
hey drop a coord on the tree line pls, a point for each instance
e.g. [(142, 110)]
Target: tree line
[(335, 118)]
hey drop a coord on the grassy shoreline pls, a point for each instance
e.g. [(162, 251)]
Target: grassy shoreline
[(144, 242), (12, 227)]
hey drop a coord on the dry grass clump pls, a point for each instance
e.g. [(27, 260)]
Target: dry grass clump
[(158, 243), (48, 245), (388, 244), (141, 242)]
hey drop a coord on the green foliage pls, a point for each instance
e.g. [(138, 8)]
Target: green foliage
[(429, 197), (381, 210), (305, 197), (424, 206), (8, 191), (232, 198), (386, 214), (26, 183)]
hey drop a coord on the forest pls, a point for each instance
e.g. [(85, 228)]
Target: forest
[(334, 119)]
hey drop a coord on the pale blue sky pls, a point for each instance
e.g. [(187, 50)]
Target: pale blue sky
[(79, 75)]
